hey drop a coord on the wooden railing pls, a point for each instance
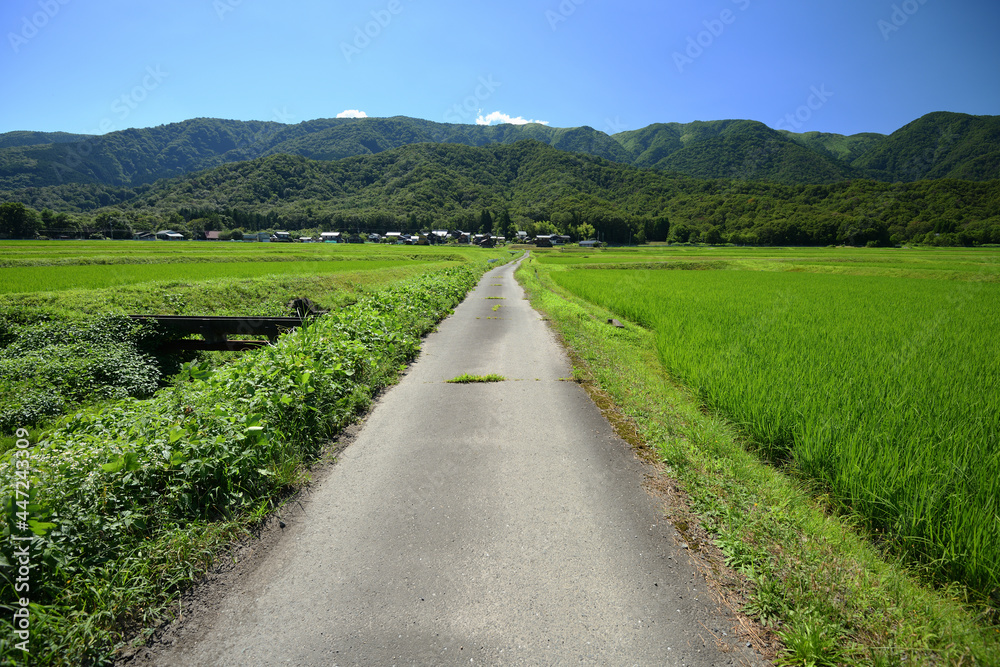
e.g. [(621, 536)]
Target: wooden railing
[(215, 331)]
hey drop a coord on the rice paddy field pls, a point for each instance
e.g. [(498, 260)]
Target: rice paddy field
[(875, 374), (29, 266)]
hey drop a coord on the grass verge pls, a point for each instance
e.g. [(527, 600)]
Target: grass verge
[(820, 593)]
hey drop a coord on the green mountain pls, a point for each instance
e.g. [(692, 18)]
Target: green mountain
[(449, 185), (424, 178), (339, 138), (138, 156), (130, 157), (11, 139), (936, 146), (740, 149), (843, 148)]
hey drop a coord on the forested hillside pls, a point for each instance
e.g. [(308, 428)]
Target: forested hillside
[(744, 150), (533, 187), (939, 145)]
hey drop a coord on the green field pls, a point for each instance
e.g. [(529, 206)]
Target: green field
[(47, 266), (92, 276), (884, 390)]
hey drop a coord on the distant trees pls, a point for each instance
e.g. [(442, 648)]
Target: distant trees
[(658, 228), (712, 236), (17, 221), (485, 222), (505, 225), (585, 231)]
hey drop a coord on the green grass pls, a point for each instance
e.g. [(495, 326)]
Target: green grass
[(465, 378), (833, 592), (893, 409)]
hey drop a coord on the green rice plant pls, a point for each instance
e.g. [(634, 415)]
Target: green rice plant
[(885, 391), (91, 276)]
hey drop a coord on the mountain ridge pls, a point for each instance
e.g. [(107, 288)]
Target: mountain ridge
[(938, 145)]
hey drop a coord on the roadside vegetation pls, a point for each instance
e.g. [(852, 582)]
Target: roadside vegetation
[(131, 499), (465, 378), (833, 429), (72, 344)]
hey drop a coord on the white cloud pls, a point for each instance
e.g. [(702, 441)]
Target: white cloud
[(352, 113), (498, 117)]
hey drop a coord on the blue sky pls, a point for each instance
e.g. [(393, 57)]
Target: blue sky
[(841, 66)]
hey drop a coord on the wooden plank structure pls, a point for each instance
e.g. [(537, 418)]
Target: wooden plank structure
[(215, 331)]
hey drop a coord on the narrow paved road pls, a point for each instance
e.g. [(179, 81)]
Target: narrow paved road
[(496, 524)]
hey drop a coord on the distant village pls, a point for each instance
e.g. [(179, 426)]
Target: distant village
[(435, 237)]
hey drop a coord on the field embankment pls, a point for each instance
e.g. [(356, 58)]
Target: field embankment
[(877, 393)]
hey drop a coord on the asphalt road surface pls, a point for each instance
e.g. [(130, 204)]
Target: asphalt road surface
[(492, 524)]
